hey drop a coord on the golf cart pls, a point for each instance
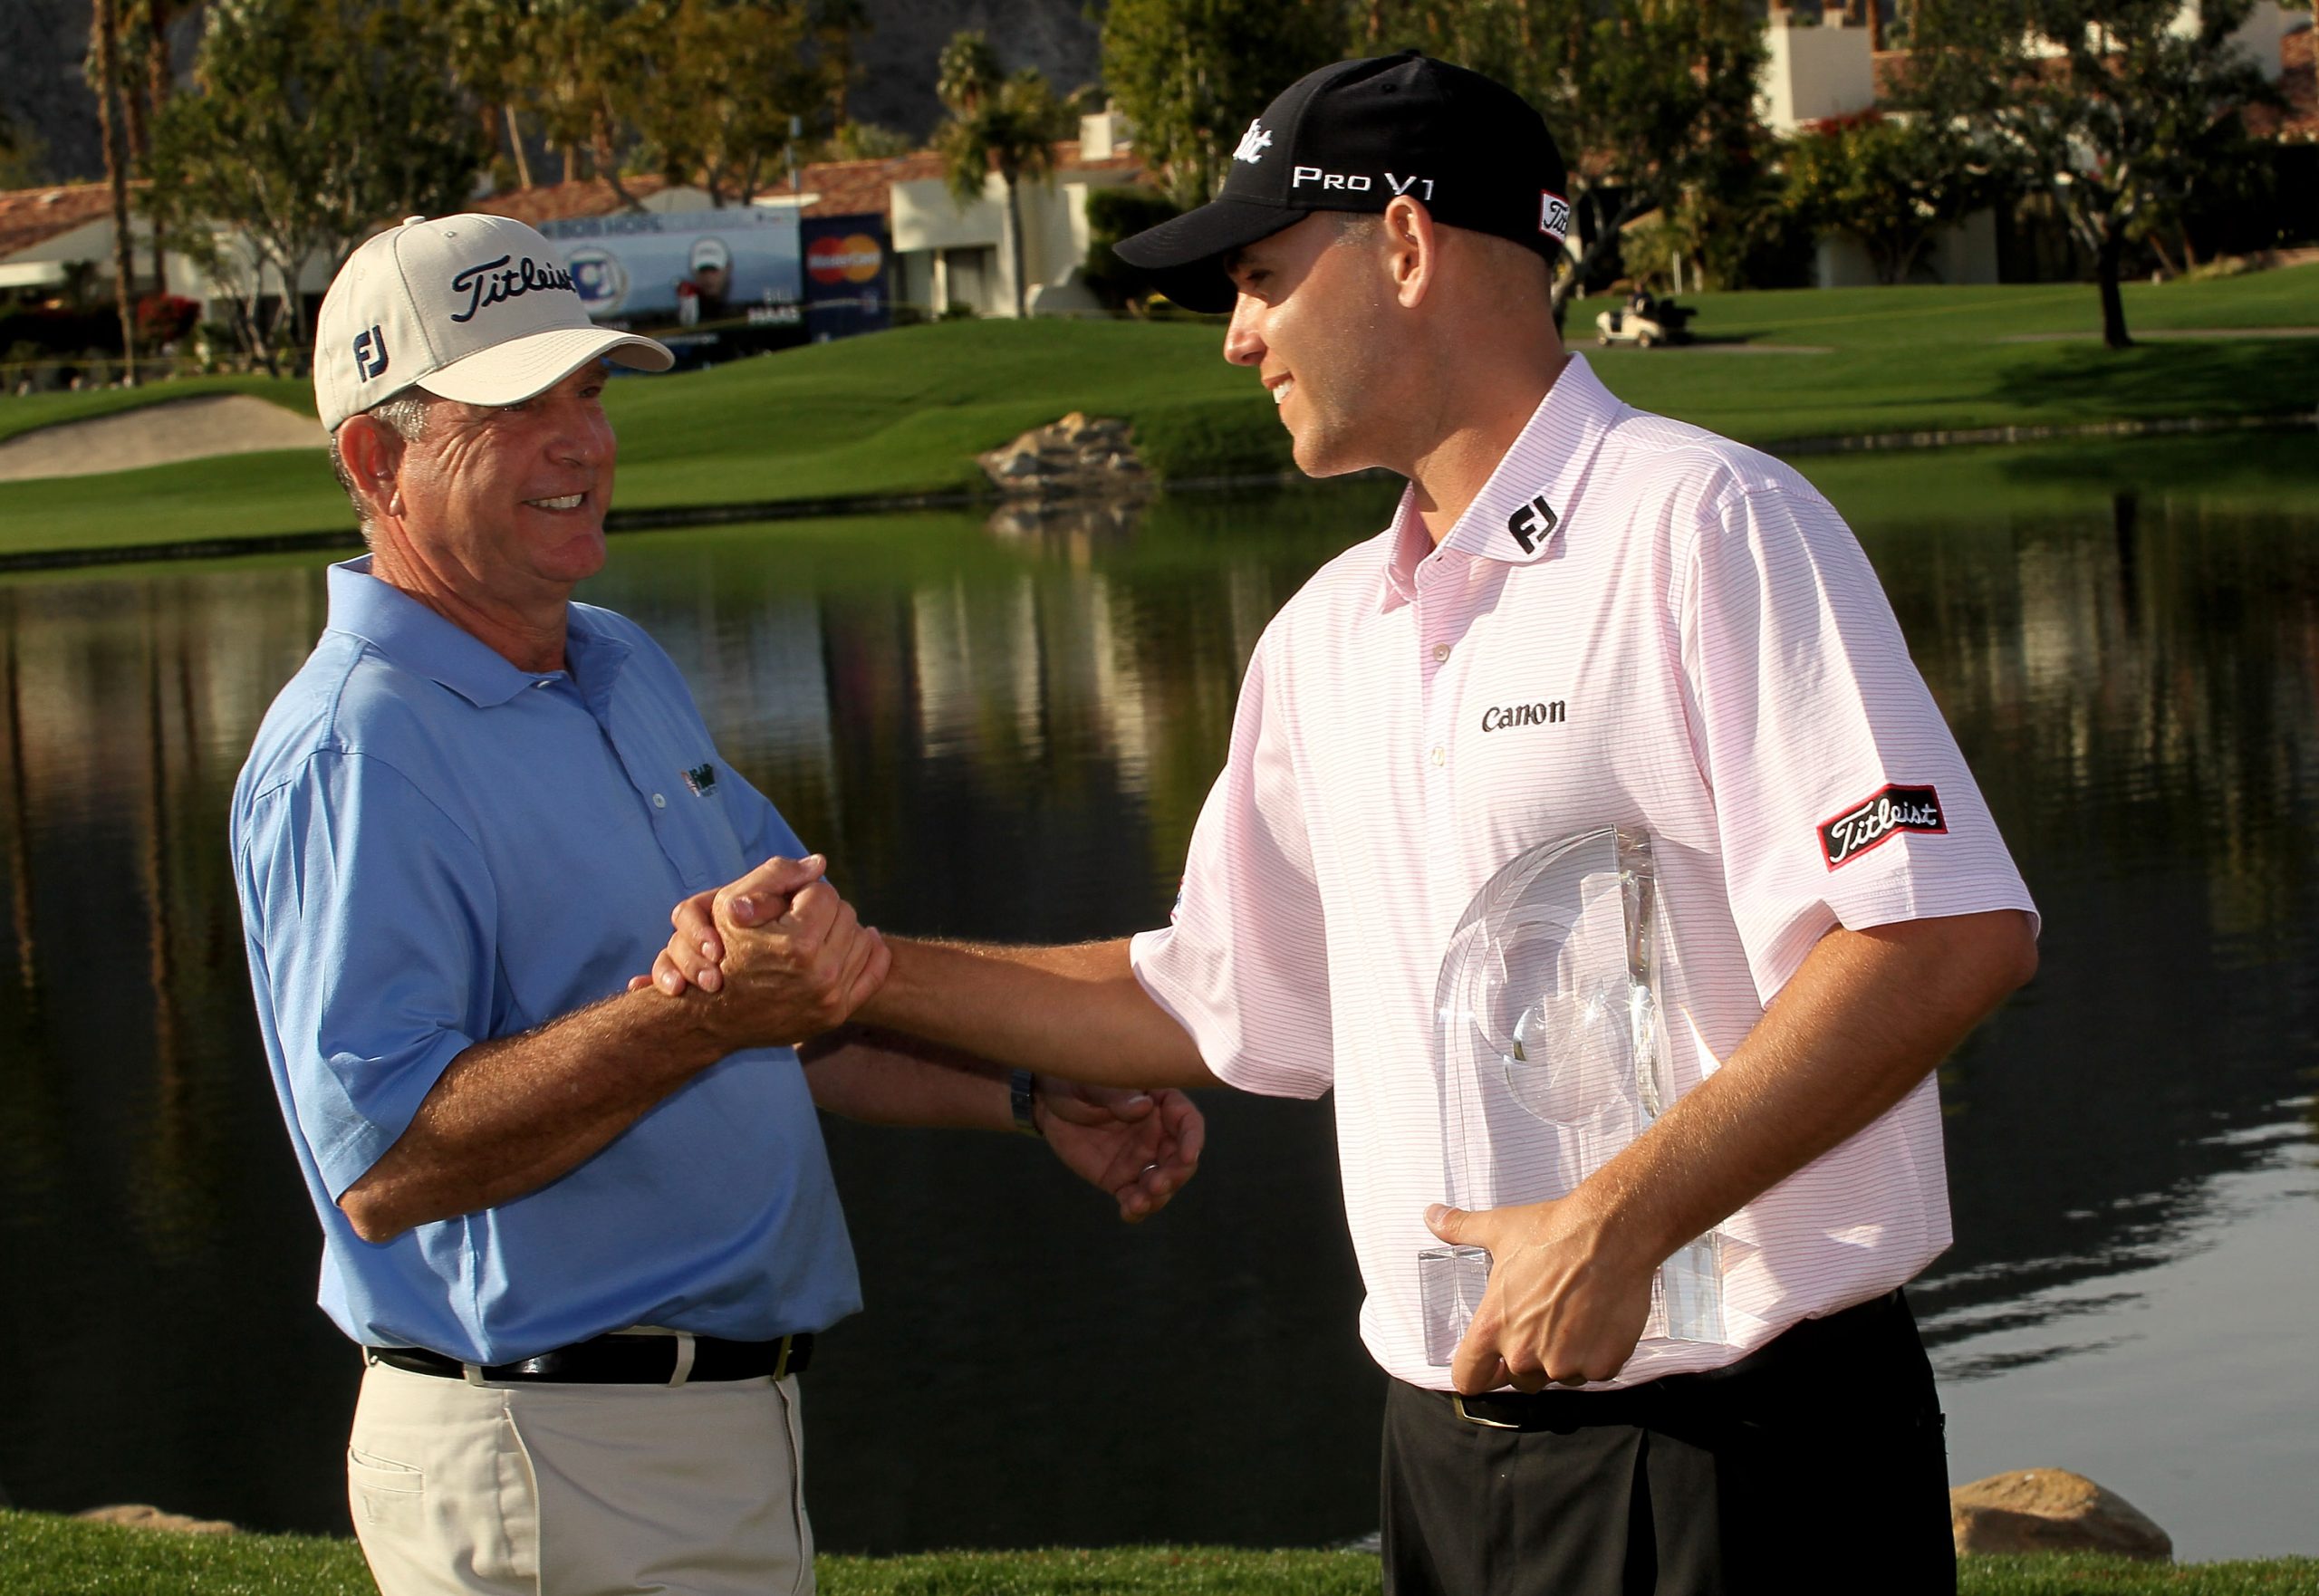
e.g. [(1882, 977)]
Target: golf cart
[(1645, 320)]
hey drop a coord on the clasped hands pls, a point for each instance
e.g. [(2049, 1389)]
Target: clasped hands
[(779, 950), (788, 951)]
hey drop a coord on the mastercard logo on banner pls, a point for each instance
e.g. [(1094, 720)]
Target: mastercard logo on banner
[(854, 258)]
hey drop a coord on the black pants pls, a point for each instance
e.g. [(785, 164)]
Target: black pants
[(1816, 1463)]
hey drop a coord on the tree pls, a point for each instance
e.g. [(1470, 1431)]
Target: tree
[(571, 56), (1891, 183), (20, 154), (1651, 101), (487, 42), (313, 123), (714, 87), (1191, 74), (1007, 123), (104, 74), (2112, 108)]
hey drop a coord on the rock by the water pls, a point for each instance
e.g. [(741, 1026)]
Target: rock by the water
[(2051, 1510), (144, 1517), (1079, 454)]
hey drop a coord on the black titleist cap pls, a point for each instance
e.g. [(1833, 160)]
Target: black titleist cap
[(1351, 137)]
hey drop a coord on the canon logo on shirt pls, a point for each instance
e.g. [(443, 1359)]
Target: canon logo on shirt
[(1498, 717)]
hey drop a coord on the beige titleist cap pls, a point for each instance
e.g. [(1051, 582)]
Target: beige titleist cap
[(475, 308)]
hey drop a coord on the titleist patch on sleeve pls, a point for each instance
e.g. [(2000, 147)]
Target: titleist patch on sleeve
[(1887, 813)]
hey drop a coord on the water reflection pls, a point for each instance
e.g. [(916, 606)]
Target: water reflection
[(1006, 730)]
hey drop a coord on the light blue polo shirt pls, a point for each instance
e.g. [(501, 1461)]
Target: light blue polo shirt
[(434, 848)]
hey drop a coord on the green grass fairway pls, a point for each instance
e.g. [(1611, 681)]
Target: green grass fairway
[(63, 1557), (904, 412)]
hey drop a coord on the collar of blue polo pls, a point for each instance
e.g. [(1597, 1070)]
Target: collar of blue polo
[(423, 642), (1519, 516)]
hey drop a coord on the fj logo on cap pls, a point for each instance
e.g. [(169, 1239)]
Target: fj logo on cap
[(1885, 814), (1553, 215), (1533, 523), (369, 354), (1254, 142)]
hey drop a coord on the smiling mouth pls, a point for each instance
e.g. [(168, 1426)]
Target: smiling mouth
[(1280, 390), (567, 502)]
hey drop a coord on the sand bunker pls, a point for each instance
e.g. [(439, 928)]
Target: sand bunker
[(157, 434)]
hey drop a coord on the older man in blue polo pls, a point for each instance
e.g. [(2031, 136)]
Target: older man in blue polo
[(583, 1228)]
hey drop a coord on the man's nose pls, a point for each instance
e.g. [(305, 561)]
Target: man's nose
[(585, 438), (1244, 342)]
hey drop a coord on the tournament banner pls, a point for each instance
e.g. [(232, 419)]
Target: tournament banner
[(846, 259), (644, 269)]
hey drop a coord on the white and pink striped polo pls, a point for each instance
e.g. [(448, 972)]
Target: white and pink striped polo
[(1636, 623)]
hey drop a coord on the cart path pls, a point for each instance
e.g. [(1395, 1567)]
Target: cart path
[(157, 434)]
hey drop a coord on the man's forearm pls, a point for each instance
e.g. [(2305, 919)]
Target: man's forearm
[(1862, 1022), (1075, 1012), (512, 1113), (881, 1078)]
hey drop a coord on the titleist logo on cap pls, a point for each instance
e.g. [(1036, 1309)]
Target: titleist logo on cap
[(495, 281)]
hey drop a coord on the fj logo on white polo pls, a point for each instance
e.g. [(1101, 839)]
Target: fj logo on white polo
[(1533, 523), (1254, 142)]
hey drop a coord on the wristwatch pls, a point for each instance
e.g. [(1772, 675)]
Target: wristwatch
[(1023, 1096)]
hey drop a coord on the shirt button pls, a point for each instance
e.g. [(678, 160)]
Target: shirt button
[(660, 800), (1440, 652), (1440, 755)]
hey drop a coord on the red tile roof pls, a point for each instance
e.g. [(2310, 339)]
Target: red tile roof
[(34, 215), (842, 187), (2299, 86), (557, 202)]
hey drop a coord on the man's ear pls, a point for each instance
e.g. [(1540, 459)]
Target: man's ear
[(1413, 249), (373, 452)]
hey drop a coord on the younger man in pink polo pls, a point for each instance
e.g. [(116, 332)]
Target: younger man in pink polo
[(1580, 616)]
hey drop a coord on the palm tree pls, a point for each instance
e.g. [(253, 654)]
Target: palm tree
[(104, 76), (1008, 123)]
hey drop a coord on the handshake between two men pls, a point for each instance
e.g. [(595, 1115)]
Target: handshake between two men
[(780, 956)]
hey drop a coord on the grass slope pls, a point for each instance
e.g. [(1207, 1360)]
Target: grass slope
[(905, 411), (63, 1557)]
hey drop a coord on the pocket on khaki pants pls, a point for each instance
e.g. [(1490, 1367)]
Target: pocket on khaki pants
[(383, 1493)]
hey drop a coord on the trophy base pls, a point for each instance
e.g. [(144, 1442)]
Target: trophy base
[(1686, 1295)]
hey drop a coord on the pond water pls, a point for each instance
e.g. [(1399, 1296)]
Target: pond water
[(1005, 732)]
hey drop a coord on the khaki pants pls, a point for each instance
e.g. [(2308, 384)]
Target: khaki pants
[(568, 1490)]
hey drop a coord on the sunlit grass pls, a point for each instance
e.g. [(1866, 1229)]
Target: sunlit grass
[(63, 1557), (904, 412)]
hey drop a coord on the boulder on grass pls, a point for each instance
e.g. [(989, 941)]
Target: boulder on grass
[(1080, 455), (144, 1516), (2051, 1510)]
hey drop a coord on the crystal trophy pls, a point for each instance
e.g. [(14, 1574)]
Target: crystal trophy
[(1553, 1059)]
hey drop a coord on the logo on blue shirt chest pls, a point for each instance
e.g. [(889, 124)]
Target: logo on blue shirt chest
[(702, 779)]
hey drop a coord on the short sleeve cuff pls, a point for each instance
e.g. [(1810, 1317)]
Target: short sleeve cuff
[(354, 1139), (1214, 1025)]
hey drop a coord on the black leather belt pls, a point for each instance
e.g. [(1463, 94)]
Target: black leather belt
[(623, 1360)]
